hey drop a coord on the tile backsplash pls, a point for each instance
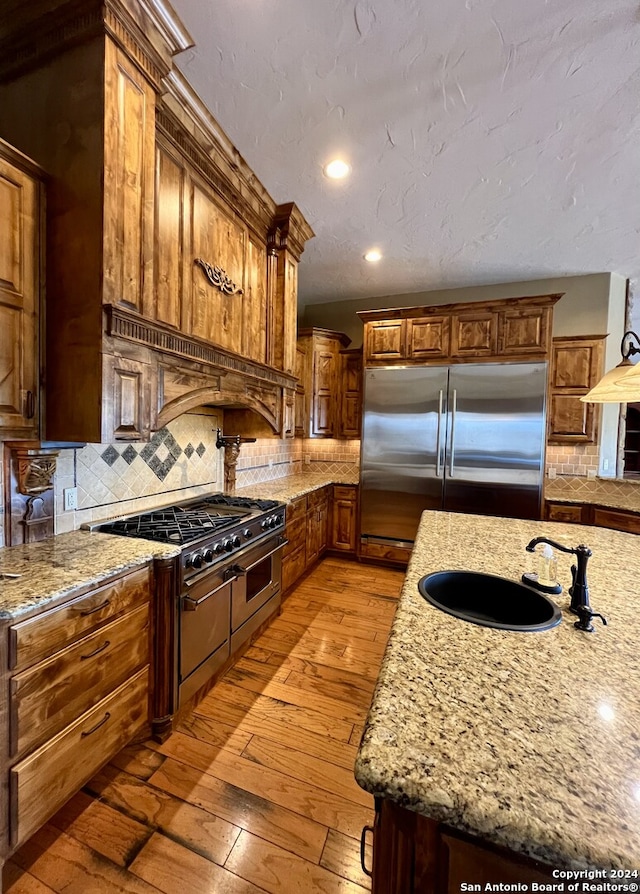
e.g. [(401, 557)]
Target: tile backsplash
[(573, 459), (180, 461)]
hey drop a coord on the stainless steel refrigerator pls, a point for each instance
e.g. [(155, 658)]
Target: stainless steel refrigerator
[(466, 438)]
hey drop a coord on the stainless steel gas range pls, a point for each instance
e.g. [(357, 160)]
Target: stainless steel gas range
[(231, 574)]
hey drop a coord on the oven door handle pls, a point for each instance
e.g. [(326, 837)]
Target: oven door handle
[(240, 570), (190, 605)]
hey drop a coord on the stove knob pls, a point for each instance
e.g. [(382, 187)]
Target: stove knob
[(265, 524), (195, 561), (236, 541), (273, 521), (228, 545), (218, 548), (246, 533), (279, 519), (208, 555)]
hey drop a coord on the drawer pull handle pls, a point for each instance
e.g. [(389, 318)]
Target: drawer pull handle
[(97, 651), (91, 611), (100, 723), (363, 844), (30, 409)]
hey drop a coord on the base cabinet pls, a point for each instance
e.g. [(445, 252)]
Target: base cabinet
[(325, 519), (416, 855), (317, 524), (78, 687), (589, 514), (344, 518)]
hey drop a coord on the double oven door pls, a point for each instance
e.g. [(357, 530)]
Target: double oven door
[(222, 606)]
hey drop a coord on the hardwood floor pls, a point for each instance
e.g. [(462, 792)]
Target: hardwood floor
[(254, 791)]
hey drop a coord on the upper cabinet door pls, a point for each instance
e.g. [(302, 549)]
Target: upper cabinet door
[(218, 240), (385, 340), (474, 334), (428, 339), (524, 331), (129, 165), (19, 299)]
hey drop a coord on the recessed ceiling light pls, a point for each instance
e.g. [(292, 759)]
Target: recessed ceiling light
[(373, 255), (337, 169)]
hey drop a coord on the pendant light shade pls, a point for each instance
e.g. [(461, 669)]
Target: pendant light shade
[(621, 385)]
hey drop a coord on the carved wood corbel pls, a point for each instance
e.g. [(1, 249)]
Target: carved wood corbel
[(231, 445), (29, 498)]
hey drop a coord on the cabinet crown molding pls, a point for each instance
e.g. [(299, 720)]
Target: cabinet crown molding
[(496, 304), (148, 30)]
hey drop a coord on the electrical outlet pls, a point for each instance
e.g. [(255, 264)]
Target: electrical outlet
[(605, 465), (307, 459), (70, 498)]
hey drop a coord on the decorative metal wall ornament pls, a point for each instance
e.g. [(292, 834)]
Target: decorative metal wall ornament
[(218, 278)]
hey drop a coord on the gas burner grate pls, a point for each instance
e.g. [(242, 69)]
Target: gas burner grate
[(242, 502), (173, 525)]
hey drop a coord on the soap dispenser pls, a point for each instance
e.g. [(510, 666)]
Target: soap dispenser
[(546, 577)]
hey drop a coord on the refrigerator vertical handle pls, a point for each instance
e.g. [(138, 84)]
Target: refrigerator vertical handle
[(439, 469), (454, 407)]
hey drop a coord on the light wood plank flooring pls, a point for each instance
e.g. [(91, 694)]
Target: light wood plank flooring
[(254, 791)]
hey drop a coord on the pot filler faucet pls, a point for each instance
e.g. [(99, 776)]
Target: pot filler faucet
[(579, 589)]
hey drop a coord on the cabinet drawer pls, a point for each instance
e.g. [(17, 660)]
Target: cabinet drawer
[(296, 509), (42, 782), (317, 497), (53, 693), (619, 521), (39, 637), (345, 492), (564, 512)]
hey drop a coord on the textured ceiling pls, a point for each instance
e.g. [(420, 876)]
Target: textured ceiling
[(490, 140)]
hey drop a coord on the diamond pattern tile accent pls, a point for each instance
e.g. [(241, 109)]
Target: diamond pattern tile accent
[(129, 454), (189, 450), (201, 449), (110, 455)]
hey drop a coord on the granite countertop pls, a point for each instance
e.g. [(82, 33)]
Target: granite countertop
[(54, 568), (527, 740), (294, 486)]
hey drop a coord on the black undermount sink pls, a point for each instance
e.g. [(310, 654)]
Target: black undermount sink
[(490, 600)]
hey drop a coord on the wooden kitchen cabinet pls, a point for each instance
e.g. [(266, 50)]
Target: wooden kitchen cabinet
[(428, 339), (294, 560), (511, 328), (576, 366), (317, 524), (592, 514), (172, 272), (474, 334), (321, 378), (21, 282), (350, 394), (78, 678), (308, 534), (413, 854), (344, 518), (385, 340)]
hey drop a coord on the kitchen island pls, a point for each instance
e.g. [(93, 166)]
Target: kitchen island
[(525, 741)]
